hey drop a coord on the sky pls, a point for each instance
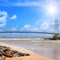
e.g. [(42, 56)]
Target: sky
[(29, 15)]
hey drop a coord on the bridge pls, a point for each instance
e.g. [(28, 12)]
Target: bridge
[(55, 36), (37, 32)]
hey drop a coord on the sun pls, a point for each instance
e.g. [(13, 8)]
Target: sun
[(51, 10)]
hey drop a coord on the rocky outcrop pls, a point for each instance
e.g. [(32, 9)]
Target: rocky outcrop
[(8, 52)]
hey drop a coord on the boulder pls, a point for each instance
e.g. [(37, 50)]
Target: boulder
[(8, 52)]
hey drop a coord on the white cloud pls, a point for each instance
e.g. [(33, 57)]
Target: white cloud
[(14, 17), (46, 25), (26, 27), (35, 29), (3, 24), (26, 3), (13, 29), (3, 18)]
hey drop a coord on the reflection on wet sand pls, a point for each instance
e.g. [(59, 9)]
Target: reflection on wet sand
[(52, 51)]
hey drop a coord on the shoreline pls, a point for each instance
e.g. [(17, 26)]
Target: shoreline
[(47, 48), (44, 43), (21, 49)]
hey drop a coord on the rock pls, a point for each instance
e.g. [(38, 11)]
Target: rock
[(2, 57), (22, 54), (27, 54), (8, 52), (19, 54)]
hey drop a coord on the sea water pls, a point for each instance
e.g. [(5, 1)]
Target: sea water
[(41, 50)]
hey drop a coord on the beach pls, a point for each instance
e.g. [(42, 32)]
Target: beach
[(32, 56), (43, 50)]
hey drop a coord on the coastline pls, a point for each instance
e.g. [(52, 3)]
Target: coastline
[(47, 48), (21, 49)]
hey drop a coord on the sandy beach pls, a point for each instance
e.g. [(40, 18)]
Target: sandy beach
[(32, 56), (38, 46)]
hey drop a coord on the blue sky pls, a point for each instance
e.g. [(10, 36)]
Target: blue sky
[(29, 15)]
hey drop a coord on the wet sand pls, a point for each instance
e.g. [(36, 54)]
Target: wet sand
[(32, 56), (47, 48)]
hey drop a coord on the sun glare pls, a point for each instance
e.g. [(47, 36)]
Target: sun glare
[(51, 10)]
